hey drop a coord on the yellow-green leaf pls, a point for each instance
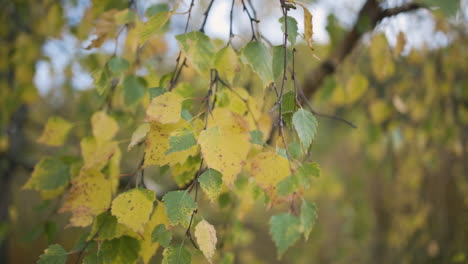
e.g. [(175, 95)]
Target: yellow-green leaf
[(356, 87), (96, 154), (165, 109), (147, 246), (157, 145), (226, 62), (89, 196), (55, 132), (269, 169), (104, 126), (139, 135), (133, 208), (224, 151), (49, 174)]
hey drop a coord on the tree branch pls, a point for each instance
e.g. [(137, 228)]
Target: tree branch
[(371, 14)]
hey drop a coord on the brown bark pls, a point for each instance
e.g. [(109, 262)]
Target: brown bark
[(369, 16)]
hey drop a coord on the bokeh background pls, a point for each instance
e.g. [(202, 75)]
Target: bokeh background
[(392, 190)]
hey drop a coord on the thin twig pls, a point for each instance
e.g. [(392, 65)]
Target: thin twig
[(195, 183), (231, 34), (252, 19), (177, 70), (206, 14)]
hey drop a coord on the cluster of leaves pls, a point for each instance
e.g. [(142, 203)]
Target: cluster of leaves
[(221, 139)]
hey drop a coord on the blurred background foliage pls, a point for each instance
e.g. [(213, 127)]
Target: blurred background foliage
[(394, 190)]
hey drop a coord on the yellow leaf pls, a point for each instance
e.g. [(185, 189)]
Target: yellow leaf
[(228, 121), (114, 170), (157, 145), (55, 131), (356, 87), (97, 154), (139, 135), (205, 233), (401, 42), (308, 26), (104, 126), (89, 196), (269, 169), (165, 109), (105, 27), (382, 62), (147, 247), (225, 151), (227, 63), (379, 111), (133, 208)]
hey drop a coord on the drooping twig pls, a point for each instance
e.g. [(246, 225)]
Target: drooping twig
[(206, 14), (231, 34), (252, 19), (304, 99), (285, 9), (178, 70), (195, 184)]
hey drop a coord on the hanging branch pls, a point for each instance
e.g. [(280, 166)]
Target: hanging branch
[(209, 105), (285, 9)]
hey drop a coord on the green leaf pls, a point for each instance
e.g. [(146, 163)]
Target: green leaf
[(106, 227), (292, 28), (211, 181), (176, 254), (285, 230), (123, 250), (156, 91), (139, 135), (161, 235), (278, 61), (287, 186), (118, 65), (50, 230), (54, 254), (226, 62), (308, 217), (449, 8), (154, 25), (133, 208), (305, 125), (179, 207), (288, 107), (134, 89), (101, 80), (295, 150), (156, 8), (257, 55), (182, 141), (199, 51), (305, 172), (125, 16), (49, 174), (256, 137)]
